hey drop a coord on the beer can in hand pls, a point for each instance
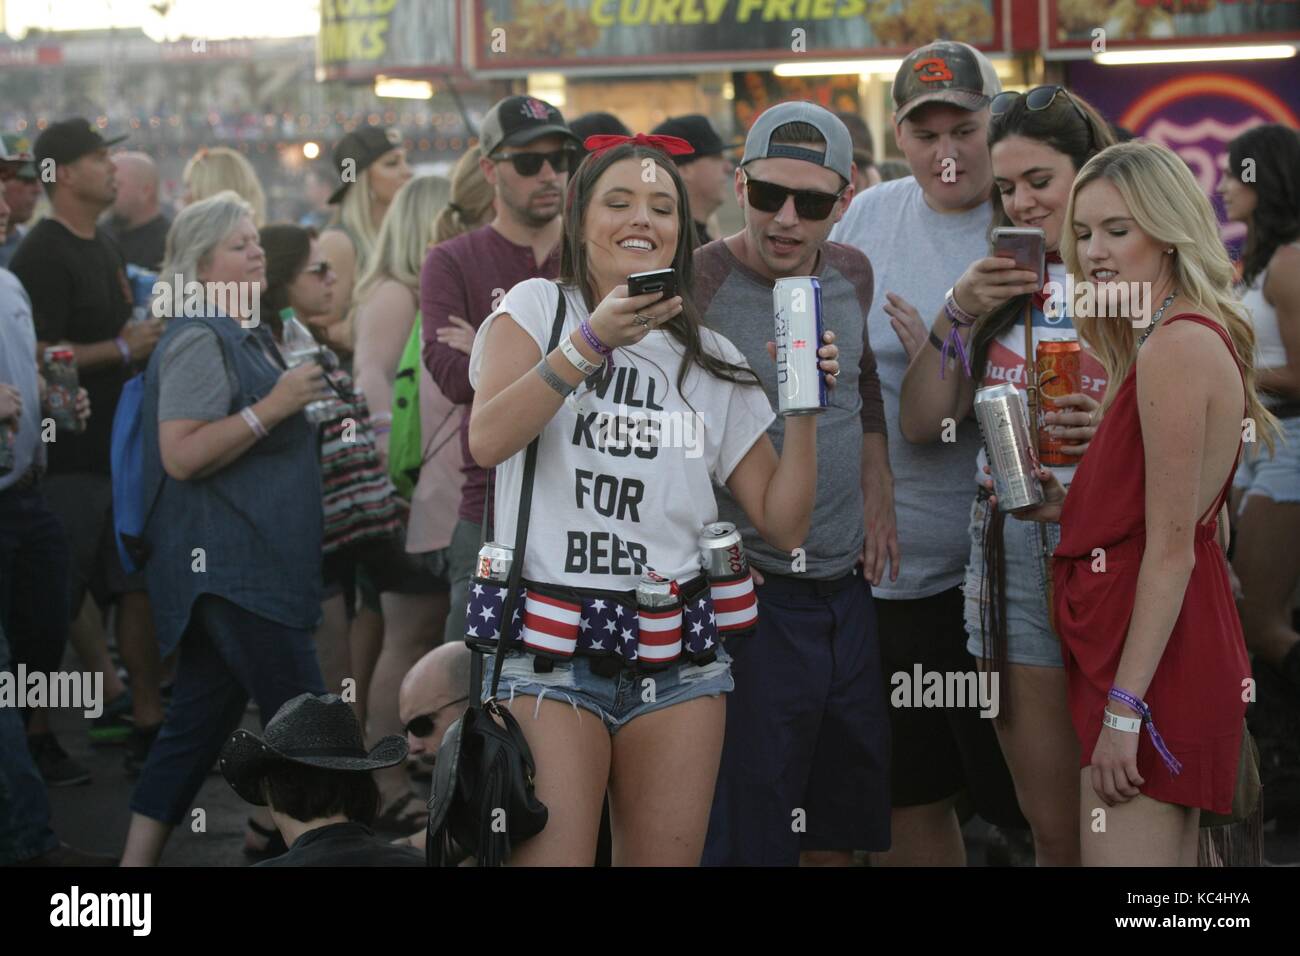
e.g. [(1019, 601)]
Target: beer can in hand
[(1058, 374), (1004, 422), (797, 307), (62, 386)]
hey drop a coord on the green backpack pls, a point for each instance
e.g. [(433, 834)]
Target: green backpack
[(405, 453)]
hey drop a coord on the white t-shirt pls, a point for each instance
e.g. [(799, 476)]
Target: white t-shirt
[(625, 473)]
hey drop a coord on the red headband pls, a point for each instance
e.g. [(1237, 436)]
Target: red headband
[(672, 145)]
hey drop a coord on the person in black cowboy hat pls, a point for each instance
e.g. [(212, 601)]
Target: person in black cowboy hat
[(707, 172), (313, 771), (371, 166)]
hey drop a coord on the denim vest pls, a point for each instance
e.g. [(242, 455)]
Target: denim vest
[(258, 521)]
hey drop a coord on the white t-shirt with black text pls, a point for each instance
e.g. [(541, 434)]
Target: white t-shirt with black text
[(625, 467)]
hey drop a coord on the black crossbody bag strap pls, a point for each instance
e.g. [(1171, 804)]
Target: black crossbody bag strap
[(521, 537)]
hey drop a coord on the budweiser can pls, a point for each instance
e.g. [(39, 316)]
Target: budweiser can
[(797, 306), (1058, 374), (142, 283), (722, 553), (1004, 421), (61, 396), (6, 449), (494, 561)]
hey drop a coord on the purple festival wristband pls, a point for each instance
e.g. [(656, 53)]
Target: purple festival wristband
[(1139, 705), (953, 343), (589, 336)]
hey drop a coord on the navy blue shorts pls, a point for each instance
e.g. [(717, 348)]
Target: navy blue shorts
[(805, 763)]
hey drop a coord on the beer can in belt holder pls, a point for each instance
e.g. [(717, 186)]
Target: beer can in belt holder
[(797, 308), (722, 554), (1004, 422), (61, 396), (659, 617)]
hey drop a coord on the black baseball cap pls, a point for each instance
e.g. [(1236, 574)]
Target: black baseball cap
[(68, 140), (696, 130), (362, 146), (518, 120), (16, 153), (945, 71)]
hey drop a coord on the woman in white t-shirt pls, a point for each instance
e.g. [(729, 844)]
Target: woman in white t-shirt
[(624, 484), (1039, 140)]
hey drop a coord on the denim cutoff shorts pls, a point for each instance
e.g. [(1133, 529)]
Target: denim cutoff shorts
[(1276, 476), (1029, 633), (615, 700)]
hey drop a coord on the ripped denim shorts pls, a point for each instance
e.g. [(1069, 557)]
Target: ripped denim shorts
[(617, 699)]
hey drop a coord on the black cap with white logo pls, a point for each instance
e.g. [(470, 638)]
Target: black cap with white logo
[(518, 120)]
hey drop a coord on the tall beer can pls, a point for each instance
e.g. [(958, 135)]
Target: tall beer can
[(1058, 374), (797, 307), (61, 397), (1004, 422)]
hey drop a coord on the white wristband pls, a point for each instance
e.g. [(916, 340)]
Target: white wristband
[(1128, 725), (576, 358), (255, 423)]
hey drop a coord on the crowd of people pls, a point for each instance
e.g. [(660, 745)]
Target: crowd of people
[(448, 365)]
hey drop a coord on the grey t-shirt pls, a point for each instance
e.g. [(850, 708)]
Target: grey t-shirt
[(918, 254), (737, 302), (193, 382)]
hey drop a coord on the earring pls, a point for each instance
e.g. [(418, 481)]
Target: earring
[(1169, 251)]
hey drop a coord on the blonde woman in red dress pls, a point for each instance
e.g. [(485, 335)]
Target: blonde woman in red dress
[(1155, 661)]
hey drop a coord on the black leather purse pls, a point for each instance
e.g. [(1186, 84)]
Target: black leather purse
[(483, 801)]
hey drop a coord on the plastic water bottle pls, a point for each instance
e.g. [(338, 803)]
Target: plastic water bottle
[(298, 346)]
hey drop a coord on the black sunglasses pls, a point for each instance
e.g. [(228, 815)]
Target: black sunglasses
[(422, 726), (1040, 98), (808, 203), (320, 270), (530, 164)]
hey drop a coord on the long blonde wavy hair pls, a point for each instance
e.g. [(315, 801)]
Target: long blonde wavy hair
[(1167, 204), (471, 199), (354, 214), (214, 169), (408, 228)]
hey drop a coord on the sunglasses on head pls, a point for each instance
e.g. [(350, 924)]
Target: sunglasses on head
[(1039, 98), (422, 726), (808, 203), (530, 164), (320, 270)]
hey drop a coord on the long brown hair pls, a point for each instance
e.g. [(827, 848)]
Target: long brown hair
[(1061, 128), (684, 327)]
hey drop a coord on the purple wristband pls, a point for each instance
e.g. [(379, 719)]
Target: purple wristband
[(589, 335), (1139, 705), (124, 349)]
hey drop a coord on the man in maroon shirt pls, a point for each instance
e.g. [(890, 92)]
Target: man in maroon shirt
[(527, 153)]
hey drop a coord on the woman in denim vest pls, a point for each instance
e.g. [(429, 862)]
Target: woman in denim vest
[(235, 526)]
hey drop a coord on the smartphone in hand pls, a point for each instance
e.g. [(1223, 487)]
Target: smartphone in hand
[(1027, 246), (658, 280)]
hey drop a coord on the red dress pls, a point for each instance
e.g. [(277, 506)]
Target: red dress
[(1196, 695)]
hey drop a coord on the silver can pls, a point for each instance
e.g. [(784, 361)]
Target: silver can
[(654, 591), (1003, 416), (797, 308), (722, 552), (494, 561)]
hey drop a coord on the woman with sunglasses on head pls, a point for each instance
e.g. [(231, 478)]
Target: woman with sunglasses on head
[(1154, 655), (1267, 488), (609, 509), (1038, 142), (372, 167)]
